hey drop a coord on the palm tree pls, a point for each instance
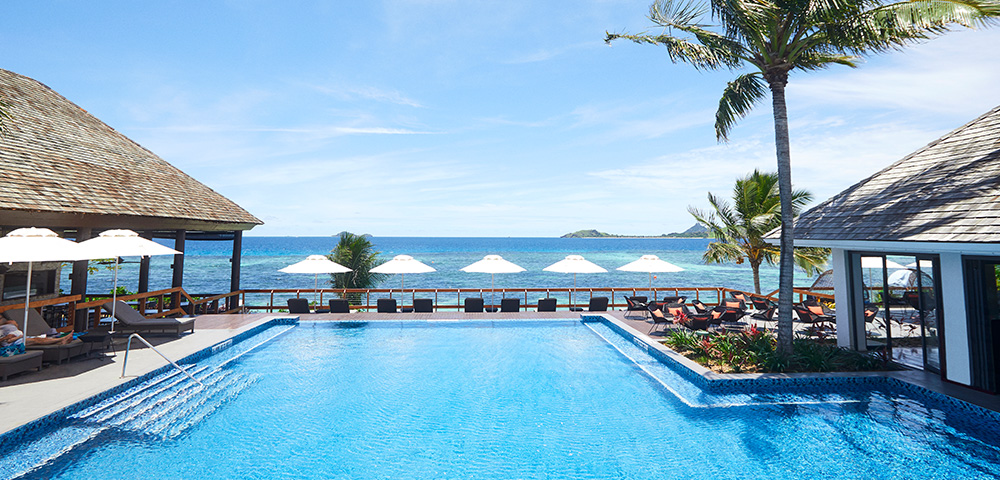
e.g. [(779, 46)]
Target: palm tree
[(739, 229), (357, 253), (774, 37)]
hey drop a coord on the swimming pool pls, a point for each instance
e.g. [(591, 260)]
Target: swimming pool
[(515, 399)]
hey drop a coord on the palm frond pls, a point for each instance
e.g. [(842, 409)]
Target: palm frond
[(737, 100), (811, 259)]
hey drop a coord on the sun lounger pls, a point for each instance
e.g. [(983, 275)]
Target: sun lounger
[(510, 305), (598, 304), (546, 304), (473, 305), (386, 305), (699, 306), (129, 320), (298, 305), (340, 305), (423, 305), (20, 363), (38, 327)]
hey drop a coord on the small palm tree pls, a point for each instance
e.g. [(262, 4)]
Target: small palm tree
[(739, 229), (357, 253), (774, 37)]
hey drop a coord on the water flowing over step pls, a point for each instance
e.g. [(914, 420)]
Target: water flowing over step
[(160, 408)]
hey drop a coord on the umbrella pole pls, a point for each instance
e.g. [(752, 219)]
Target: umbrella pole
[(493, 289), (27, 296), (316, 289), (574, 289), (114, 297)]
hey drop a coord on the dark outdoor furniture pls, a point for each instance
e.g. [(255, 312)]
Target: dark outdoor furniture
[(766, 315), (637, 304), (722, 314), (340, 305), (760, 303), (546, 304), (683, 315), (20, 363), (598, 304), (423, 305), (298, 305), (658, 317), (735, 304), (677, 299), (128, 320), (699, 306), (473, 305), (386, 305), (820, 325), (510, 305), (870, 312), (37, 327)]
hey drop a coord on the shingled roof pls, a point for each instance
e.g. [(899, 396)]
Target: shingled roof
[(59, 162), (948, 191)]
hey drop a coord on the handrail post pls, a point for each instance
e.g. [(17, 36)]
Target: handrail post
[(128, 346)]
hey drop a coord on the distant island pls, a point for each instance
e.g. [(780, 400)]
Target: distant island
[(696, 231)]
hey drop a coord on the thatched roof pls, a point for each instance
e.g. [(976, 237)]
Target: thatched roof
[(948, 191), (62, 167)]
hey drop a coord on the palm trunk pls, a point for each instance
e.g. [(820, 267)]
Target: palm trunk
[(756, 277), (787, 261)]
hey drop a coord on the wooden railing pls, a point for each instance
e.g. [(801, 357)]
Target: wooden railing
[(453, 298)]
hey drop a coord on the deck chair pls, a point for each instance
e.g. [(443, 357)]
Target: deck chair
[(760, 303), (298, 305), (546, 304), (658, 317), (820, 325), (870, 312), (510, 305), (127, 319), (386, 305), (340, 305), (699, 306), (637, 304), (473, 305), (688, 318), (20, 363), (423, 305), (598, 304), (37, 327), (677, 299)]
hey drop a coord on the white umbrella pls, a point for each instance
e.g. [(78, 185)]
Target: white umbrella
[(872, 263), (574, 264), (36, 245), (650, 264), (403, 264), (493, 264), (122, 243), (315, 264)]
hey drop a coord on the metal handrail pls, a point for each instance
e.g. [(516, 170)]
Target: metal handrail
[(143, 340)]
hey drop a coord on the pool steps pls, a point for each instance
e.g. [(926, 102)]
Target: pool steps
[(163, 406)]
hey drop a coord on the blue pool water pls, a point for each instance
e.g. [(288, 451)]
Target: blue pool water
[(516, 399)]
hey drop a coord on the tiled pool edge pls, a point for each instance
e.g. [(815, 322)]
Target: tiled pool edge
[(719, 383), (23, 432)]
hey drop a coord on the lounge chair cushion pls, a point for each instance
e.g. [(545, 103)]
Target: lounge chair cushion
[(125, 313)]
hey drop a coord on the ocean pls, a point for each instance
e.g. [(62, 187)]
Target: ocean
[(207, 266)]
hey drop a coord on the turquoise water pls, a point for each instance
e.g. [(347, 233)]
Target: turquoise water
[(207, 267), (522, 400)]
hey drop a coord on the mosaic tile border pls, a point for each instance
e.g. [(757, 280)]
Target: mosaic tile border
[(27, 431)]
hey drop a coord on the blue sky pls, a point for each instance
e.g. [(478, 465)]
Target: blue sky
[(465, 118)]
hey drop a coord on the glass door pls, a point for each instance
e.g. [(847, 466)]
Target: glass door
[(901, 309)]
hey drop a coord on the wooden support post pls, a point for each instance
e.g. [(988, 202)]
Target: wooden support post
[(234, 278), (144, 267), (178, 267), (78, 285)]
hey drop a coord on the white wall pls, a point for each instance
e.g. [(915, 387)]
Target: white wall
[(838, 262), (958, 366)]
